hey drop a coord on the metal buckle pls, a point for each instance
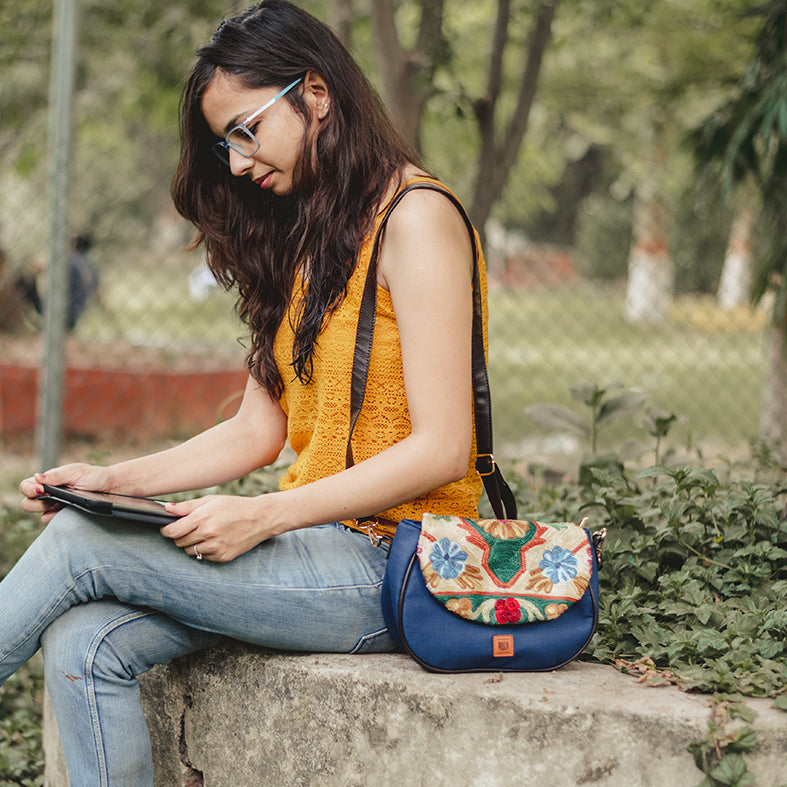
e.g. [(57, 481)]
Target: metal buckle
[(598, 538), (491, 459), (368, 525)]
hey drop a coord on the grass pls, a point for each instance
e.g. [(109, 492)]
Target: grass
[(150, 304), (705, 365)]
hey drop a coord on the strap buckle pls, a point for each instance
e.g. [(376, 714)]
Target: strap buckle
[(368, 525), (598, 538), (485, 464)]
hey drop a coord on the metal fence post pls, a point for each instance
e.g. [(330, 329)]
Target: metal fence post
[(49, 426)]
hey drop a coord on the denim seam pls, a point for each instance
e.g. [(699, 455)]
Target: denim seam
[(90, 691), (366, 638), (208, 581)]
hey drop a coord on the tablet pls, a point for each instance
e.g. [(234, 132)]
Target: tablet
[(138, 509)]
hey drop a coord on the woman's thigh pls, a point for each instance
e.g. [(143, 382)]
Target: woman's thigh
[(312, 589)]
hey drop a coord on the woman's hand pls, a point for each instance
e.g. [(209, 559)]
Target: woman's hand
[(220, 527), (78, 475)]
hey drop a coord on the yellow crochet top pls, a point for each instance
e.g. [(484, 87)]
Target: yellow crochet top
[(318, 413)]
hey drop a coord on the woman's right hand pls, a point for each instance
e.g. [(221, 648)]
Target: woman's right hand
[(78, 475)]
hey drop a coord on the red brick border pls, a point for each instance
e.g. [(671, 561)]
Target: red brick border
[(144, 404)]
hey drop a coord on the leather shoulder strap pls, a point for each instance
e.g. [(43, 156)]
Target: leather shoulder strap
[(497, 490)]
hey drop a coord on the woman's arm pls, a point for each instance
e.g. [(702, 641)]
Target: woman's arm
[(251, 439), (426, 264)]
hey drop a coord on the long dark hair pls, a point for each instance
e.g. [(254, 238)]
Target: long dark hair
[(256, 241)]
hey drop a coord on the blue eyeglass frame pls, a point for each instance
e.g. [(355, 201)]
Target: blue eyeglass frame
[(222, 148)]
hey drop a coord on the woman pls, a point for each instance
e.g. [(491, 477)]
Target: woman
[(305, 165)]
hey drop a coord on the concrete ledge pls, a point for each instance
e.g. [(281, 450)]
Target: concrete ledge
[(243, 717)]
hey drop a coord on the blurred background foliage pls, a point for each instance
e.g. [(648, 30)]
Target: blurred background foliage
[(614, 70), (606, 166)]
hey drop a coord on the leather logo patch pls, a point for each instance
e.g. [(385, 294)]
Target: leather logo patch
[(502, 645)]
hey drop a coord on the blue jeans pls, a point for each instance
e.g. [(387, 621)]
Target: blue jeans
[(106, 600)]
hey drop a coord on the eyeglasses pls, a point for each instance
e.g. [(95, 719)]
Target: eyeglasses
[(241, 138)]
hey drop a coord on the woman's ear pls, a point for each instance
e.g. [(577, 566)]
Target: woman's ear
[(316, 95)]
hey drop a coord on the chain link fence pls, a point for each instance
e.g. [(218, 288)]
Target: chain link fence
[(154, 350), (157, 352)]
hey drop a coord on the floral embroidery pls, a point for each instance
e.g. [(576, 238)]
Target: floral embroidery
[(447, 559), (537, 582), (461, 606), (559, 565), (430, 576), (471, 578), (554, 610), (504, 528), (507, 610), (503, 573)]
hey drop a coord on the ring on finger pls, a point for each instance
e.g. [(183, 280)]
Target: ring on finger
[(197, 553)]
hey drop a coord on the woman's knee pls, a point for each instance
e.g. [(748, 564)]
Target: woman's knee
[(92, 638), (111, 640), (69, 532)]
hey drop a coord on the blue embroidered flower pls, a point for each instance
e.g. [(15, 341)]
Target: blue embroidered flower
[(447, 559), (559, 565)]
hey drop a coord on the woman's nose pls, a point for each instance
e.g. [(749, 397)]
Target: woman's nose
[(240, 164)]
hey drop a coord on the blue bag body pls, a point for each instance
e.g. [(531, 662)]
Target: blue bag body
[(441, 641)]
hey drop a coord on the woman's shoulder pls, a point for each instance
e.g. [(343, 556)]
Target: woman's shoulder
[(425, 225), (426, 211)]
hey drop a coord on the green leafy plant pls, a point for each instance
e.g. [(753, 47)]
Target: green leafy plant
[(695, 565), (657, 422), (692, 587), (605, 406), (695, 577), (21, 750), (720, 754)]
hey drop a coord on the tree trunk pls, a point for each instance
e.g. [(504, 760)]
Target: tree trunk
[(497, 156), (650, 272), (342, 21), (736, 275), (774, 411), (407, 76)]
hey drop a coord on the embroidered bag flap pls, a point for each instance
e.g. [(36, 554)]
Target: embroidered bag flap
[(502, 571)]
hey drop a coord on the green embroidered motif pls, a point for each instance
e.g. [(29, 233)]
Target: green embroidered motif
[(504, 559)]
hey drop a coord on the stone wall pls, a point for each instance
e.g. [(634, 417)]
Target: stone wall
[(241, 717)]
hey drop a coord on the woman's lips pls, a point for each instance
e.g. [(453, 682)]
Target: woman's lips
[(265, 181)]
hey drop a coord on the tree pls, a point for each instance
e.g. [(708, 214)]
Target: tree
[(747, 138), (499, 150), (132, 59), (650, 271), (631, 79), (408, 79), (342, 21), (736, 276), (408, 75)]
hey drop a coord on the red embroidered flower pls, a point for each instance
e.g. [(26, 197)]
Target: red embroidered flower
[(507, 610)]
